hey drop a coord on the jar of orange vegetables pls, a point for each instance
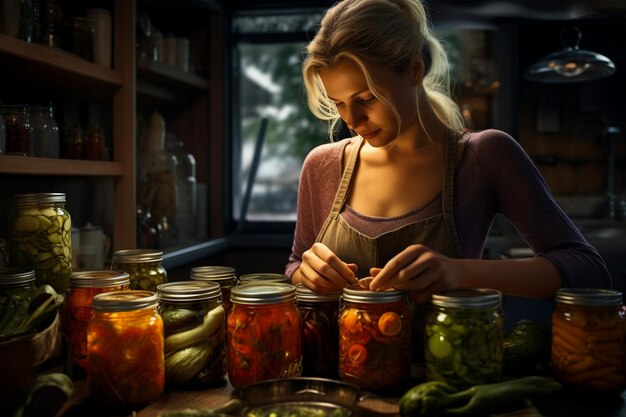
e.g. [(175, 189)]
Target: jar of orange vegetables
[(264, 331), (588, 330), (77, 310), (125, 360), (374, 338)]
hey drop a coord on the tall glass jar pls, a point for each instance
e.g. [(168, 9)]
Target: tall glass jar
[(18, 131), (463, 337), (263, 277), (125, 359), (223, 275), (40, 237), (17, 286), (264, 330), (45, 132), (195, 333), (374, 338), (588, 333), (77, 310), (187, 188), (320, 332), (144, 266)]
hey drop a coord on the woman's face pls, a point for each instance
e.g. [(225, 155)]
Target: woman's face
[(358, 107)]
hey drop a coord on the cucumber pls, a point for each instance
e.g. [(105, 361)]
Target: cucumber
[(213, 321), (177, 320), (184, 364)]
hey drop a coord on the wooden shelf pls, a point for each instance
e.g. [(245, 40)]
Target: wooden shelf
[(24, 165)]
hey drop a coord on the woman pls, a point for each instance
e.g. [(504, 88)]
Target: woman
[(409, 199)]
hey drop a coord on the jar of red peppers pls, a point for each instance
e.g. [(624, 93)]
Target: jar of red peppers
[(264, 330), (125, 359), (263, 277), (374, 338), (463, 337), (588, 332), (18, 131), (320, 331), (195, 333), (223, 275), (77, 310)]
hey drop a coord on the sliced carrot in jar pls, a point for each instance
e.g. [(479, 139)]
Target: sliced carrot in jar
[(390, 323), (357, 354)]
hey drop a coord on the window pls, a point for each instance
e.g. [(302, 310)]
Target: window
[(272, 127)]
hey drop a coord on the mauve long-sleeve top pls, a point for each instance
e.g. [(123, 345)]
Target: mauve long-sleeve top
[(493, 175)]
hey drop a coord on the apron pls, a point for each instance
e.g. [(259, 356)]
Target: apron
[(437, 232)]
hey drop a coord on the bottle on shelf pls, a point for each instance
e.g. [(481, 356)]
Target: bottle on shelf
[(187, 188), (45, 131)]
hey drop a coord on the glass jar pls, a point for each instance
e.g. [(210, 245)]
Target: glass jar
[(125, 359), (263, 277), (187, 188), (144, 266), (17, 287), (223, 275), (374, 338), (18, 130), (264, 330), (588, 326), (94, 148), (320, 332), (77, 310), (73, 142), (81, 37), (463, 337), (45, 132), (40, 237), (195, 333)]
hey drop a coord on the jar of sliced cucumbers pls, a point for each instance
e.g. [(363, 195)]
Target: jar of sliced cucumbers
[(463, 337), (144, 266), (40, 237), (195, 333)]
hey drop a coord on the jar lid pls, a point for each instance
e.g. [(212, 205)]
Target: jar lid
[(128, 300), (14, 275), (264, 293), (589, 296), (264, 277), (37, 198), (100, 278), (357, 294), (137, 255), (185, 291), (224, 275), (467, 298), (305, 294)]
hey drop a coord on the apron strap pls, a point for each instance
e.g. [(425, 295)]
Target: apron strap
[(340, 196)]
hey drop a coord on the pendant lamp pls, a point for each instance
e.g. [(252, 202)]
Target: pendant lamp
[(570, 65)]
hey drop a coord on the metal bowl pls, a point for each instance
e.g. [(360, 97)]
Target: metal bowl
[(318, 395)]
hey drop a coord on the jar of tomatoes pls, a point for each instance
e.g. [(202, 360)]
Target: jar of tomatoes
[(263, 277), (374, 338), (320, 331), (264, 331), (195, 333), (588, 326), (40, 237), (125, 359), (223, 275), (77, 310), (144, 266), (463, 337)]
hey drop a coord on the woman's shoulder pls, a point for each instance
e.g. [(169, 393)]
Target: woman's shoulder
[(490, 143), (327, 153)]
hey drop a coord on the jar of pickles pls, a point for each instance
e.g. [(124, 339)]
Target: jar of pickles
[(374, 338), (77, 310), (17, 287), (125, 359), (223, 275), (588, 326), (263, 277), (320, 331), (144, 266), (40, 237), (463, 337), (264, 330), (195, 333)]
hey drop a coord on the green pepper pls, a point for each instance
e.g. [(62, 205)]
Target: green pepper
[(436, 398)]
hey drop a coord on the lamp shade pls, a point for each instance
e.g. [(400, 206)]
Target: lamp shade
[(570, 65)]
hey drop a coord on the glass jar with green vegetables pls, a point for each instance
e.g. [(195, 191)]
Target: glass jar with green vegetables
[(17, 287), (144, 266), (225, 276), (463, 337), (194, 323), (40, 237)]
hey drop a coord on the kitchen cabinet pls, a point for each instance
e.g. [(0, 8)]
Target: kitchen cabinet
[(104, 192)]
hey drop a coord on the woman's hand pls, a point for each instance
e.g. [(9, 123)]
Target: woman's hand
[(417, 269), (323, 272)]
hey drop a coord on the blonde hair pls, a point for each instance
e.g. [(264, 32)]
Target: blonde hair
[(392, 33)]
